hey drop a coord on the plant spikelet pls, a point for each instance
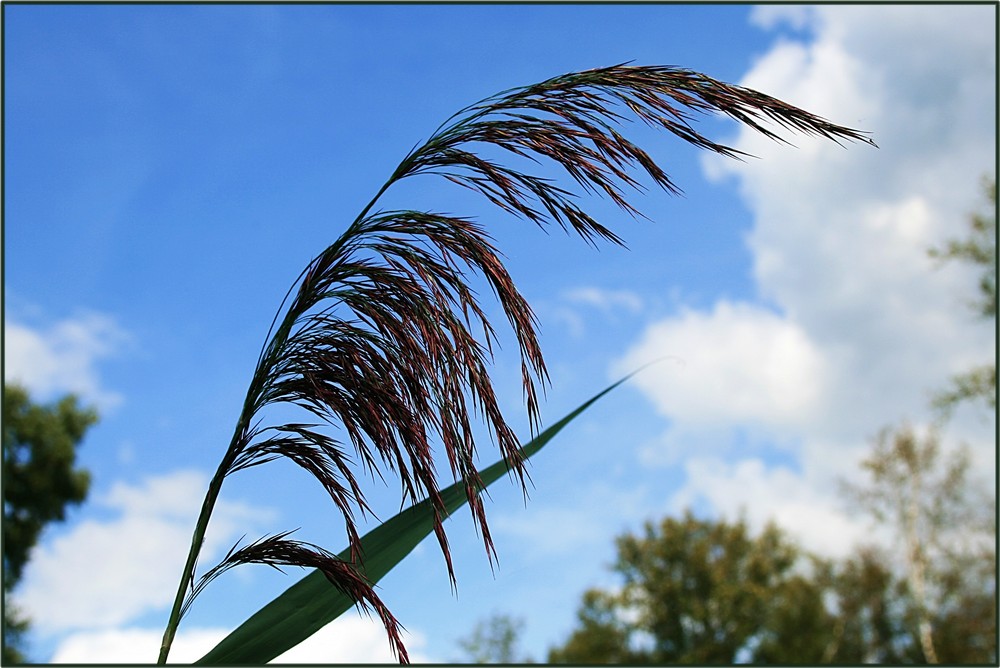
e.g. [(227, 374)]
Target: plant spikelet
[(381, 336)]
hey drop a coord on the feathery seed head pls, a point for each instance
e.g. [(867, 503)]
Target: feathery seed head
[(380, 335)]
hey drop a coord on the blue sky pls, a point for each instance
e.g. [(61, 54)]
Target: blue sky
[(170, 169)]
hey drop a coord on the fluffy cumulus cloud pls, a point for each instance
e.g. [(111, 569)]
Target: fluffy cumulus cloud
[(863, 325), (738, 363), (607, 301), (85, 589), (133, 645), (353, 638), (105, 572), (350, 639), (750, 488), (63, 357)]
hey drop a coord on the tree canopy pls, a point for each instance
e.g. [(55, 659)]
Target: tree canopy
[(945, 542), (494, 640), (704, 591), (701, 591), (979, 248), (40, 480)]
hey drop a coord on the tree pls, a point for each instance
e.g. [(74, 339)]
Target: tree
[(979, 249), (603, 635), (494, 640), (936, 601), (869, 622), (40, 480), (946, 536), (706, 592), (383, 335), (703, 592), (945, 532)]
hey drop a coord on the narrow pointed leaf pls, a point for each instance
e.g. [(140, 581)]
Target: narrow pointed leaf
[(312, 603)]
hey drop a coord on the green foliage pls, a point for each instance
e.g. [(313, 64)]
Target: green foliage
[(602, 637), (945, 540), (494, 640), (15, 627), (796, 624), (39, 482), (980, 382), (966, 630), (979, 249), (39, 478), (867, 622), (700, 591), (707, 592), (917, 488)]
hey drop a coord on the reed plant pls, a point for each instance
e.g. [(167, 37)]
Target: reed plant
[(384, 343)]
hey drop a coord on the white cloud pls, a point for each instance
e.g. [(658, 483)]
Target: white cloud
[(737, 364), (840, 237), (350, 639), (103, 573), (63, 357), (793, 500), (866, 327), (606, 300), (353, 638), (134, 645), (86, 587), (577, 305)]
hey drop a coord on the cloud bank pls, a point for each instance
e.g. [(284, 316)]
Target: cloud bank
[(350, 639), (855, 326), (89, 586), (63, 357), (103, 573)]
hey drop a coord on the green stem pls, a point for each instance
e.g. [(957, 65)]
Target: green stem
[(239, 442), (236, 446), (187, 575)]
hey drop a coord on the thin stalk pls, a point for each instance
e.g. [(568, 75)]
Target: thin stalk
[(215, 486), (917, 561), (188, 573)]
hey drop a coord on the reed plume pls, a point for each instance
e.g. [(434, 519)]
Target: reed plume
[(382, 336)]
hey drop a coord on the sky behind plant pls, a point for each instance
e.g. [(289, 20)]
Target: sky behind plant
[(169, 170)]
